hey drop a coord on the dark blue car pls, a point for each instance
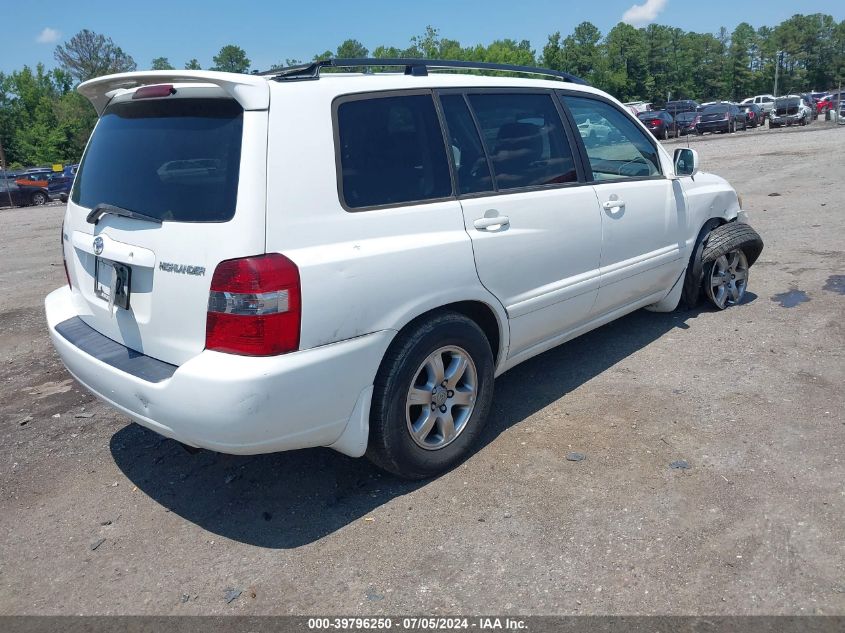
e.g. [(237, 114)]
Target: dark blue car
[(61, 182)]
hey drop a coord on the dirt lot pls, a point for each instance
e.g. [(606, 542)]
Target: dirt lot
[(101, 516)]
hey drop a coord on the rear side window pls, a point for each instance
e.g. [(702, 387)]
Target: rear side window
[(173, 159), (471, 165), (391, 152), (525, 139)]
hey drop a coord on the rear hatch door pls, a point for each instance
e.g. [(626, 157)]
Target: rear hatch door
[(193, 161)]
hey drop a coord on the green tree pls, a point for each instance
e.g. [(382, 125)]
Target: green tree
[(161, 63), (740, 62), (41, 120), (626, 53), (231, 59), (88, 54), (580, 52), (193, 64), (552, 56), (351, 49)]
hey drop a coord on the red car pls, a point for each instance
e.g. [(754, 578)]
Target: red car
[(828, 102)]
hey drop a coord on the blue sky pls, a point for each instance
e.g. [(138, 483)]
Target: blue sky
[(273, 31)]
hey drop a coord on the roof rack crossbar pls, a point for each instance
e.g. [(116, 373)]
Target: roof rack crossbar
[(412, 66)]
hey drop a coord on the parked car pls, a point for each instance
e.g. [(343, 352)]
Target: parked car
[(790, 110), (16, 195), (686, 122), (61, 183), (660, 123), (764, 102), (823, 104), (638, 106), (34, 179), (753, 114), (685, 105), (721, 117), (829, 102), (811, 103), (593, 129), (292, 299)]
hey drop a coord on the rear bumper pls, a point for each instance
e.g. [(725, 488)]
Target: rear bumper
[(713, 126), (238, 404), (789, 119)]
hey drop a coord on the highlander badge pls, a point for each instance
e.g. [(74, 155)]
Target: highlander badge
[(181, 269)]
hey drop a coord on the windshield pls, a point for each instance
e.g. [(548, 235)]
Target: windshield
[(715, 109), (786, 103), (175, 160), (685, 116)]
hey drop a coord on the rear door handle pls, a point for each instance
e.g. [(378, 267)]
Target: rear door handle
[(610, 205), (482, 224)]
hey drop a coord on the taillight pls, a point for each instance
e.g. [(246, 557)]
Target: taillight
[(64, 259), (254, 307), (151, 92)]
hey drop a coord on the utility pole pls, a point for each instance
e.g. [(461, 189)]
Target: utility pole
[(778, 57), (3, 171)]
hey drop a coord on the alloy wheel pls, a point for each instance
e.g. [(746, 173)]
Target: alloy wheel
[(728, 279), (441, 398)]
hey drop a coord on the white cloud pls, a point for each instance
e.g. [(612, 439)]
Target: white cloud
[(642, 14), (48, 36)]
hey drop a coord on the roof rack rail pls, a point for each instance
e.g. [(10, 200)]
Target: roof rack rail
[(413, 66)]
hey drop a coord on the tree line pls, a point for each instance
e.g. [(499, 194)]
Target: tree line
[(44, 120)]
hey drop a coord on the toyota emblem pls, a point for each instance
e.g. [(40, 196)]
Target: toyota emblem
[(98, 245)]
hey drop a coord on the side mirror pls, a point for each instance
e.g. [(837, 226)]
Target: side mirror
[(686, 162)]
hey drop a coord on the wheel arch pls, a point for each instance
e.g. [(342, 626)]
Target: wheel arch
[(492, 321), (694, 270)]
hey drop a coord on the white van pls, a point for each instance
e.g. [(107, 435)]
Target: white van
[(266, 263)]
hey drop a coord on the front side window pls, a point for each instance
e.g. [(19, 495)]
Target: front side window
[(391, 151), (174, 159), (525, 140), (616, 147)]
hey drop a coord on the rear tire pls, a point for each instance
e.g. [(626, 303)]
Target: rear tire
[(426, 414), (39, 198)]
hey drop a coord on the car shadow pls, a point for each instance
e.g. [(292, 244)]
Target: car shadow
[(285, 500)]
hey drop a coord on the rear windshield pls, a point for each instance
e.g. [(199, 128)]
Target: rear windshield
[(787, 103), (176, 159), (715, 109), (685, 116)]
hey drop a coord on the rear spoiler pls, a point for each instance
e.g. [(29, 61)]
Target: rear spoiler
[(252, 92)]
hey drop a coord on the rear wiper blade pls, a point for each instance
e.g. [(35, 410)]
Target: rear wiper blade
[(102, 209)]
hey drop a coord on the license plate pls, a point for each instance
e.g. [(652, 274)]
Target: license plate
[(111, 282)]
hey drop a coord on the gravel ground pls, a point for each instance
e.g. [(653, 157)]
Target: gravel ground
[(104, 517)]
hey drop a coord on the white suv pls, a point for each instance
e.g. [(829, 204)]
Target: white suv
[(765, 102), (265, 263)]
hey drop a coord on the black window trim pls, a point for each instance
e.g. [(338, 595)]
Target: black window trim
[(383, 94), (585, 159), (567, 128)]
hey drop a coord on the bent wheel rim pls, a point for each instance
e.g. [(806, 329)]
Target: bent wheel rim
[(728, 279), (441, 398)]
